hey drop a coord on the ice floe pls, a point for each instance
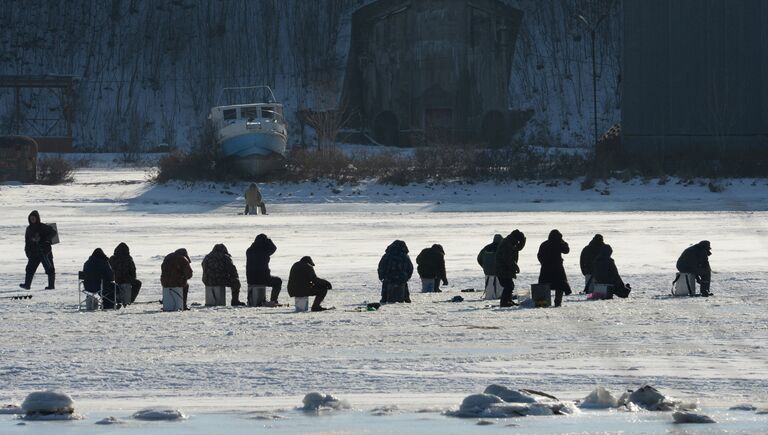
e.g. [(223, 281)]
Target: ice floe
[(316, 401), (681, 417), (159, 414), (49, 405)]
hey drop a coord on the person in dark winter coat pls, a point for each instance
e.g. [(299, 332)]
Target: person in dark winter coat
[(695, 260), (257, 267), (588, 255), (219, 271), (125, 270), (551, 260), (395, 269), (431, 268), (507, 269), (176, 271), (303, 283), (37, 247), (604, 271), (487, 260), (98, 278)]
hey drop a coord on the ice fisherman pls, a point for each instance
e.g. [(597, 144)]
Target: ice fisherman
[(431, 268), (604, 271), (507, 256), (220, 271), (99, 278), (253, 200), (303, 283), (587, 259), (37, 246), (395, 269), (487, 260), (695, 260), (176, 271), (552, 270), (125, 270), (257, 268)]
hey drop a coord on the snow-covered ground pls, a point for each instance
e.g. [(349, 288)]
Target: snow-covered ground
[(428, 353)]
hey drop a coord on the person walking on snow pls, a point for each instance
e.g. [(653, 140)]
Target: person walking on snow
[(431, 268), (303, 283), (395, 269), (254, 201), (219, 271), (176, 271), (552, 270), (125, 270), (507, 269), (257, 268), (695, 260), (587, 259), (37, 247)]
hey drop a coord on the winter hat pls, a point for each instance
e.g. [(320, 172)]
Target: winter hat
[(35, 214), (555, 235), (182, 252), (598, 238), (439, 248), (307, 259), (606, 251), (705, 244), (517, 235), (122, 249), (497, 238), (98, 253)]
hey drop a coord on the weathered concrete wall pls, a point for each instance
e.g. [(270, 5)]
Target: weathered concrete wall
[(695, 76), (435, 68)]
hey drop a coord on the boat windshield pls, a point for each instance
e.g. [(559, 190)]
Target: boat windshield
[(249, 112)]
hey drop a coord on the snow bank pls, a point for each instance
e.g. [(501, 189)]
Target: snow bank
[(599, 398), (315, 401), (159, 414), (690, 417), (49, 405), (487, 405)]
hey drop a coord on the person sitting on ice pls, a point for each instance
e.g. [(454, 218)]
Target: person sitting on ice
[(257, 268), (604, 271), (303, 283), (395, 269), (507, 269), (99, 279), (219, 271), (695, 260), (487, 260), (587, 259), (254, 201), (125, 270), (176, 271), (431, 268), (552, 270)]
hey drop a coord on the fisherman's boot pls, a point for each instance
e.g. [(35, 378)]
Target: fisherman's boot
[(51, 282), (27, 284), (236, 299)]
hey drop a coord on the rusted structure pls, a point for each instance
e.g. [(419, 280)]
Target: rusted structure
[(50, 127), (18, 159), (432, 71)]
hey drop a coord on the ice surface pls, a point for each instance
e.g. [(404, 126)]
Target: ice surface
[(690, 417), (599, 398), (159, 414)]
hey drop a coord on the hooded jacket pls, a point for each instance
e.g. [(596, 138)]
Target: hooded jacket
[(604, 270), (551, 260), (97, 272), (431, 263), (176, 269), (302, 281), (589, 253), (122, 265), (218, 269), (695, 258), (257, 263), (395, 266), (37, 237), (508, 254), (487, 256)]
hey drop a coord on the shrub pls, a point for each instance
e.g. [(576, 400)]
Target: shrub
[(194, 166), (54, 170)]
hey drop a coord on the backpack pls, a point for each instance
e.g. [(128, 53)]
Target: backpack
[(489, 263)]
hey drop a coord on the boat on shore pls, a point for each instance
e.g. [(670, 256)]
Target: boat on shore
[(250, 131)]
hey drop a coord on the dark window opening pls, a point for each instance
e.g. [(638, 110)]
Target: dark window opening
[(230, 114)]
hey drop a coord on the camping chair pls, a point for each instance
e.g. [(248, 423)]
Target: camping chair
[(89, 301)]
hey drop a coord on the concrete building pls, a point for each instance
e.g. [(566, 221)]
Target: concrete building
[(432, 71), (695, 77)]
